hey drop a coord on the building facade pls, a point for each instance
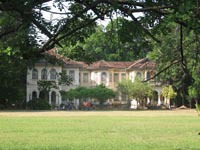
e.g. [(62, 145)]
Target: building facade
[(89, 75)]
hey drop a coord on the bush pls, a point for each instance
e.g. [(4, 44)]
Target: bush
[(198, 108), (38, 104), (2, 107)]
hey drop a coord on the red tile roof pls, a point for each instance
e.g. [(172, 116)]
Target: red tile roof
[(108, 64), (144, 63), (67, 61)]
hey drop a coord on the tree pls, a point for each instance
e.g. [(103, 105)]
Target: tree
[(64, 79), (141, 91), (194, 89), (168, 93), (12, 83), (45, 87), (81, 93), (116, 42), (193, 94), (77, 15), (126, 88), (102, 94), (177, 69), (137, 89), (21, 21)]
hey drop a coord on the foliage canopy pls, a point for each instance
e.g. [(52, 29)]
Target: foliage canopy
[(22, 20)]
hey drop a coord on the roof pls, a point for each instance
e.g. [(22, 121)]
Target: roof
[(108, 64), (141, 64), (67, 61), (144, 63)]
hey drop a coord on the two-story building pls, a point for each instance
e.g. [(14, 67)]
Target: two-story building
[(110, 73)]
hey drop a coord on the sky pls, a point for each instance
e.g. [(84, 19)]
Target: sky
[(49, 16)]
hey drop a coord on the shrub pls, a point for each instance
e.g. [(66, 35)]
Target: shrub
[(2, 107), (198, 108), (38, 104)]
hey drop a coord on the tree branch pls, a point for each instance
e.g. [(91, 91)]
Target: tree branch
[(163, 70), (51, 42), (10, 31)]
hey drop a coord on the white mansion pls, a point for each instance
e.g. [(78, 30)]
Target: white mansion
[(107, 72)]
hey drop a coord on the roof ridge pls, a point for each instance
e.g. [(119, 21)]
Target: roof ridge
[(105, 62), (54, 52), (136, 62)]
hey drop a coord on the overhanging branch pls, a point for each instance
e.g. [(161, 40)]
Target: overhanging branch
[(163, 70)]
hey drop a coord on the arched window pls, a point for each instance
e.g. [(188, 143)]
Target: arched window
[(72, 74), (34, 95), (53, 98), (103, 77), (139, 75), (34, 74), (53, 74), (44, 74), (42, 95), (155, 97), (148, 75)]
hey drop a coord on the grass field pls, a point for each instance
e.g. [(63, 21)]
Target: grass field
[(106, 130)]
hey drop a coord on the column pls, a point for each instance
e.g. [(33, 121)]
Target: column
[(148, 100), (49, 97), (159, 101), (58, 99), (38, 93), (28, 96)]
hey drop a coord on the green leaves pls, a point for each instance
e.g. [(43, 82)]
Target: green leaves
[(45, 85), (64, 79), (168, 92), (126, 87), (100, 93), (119, 41), (137, 89)]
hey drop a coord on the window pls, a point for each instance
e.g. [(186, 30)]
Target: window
[(139, 75), (123, 96), (53, 74), (34, 95), (103, 77), (72, 74), (116, 77), (148, 75), (53, 98), (123, 76), (85, 77), (110, 77), (34, 74), (42, 95), (44, 74)]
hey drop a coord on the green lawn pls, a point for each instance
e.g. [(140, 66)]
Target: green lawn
[(109, 130)]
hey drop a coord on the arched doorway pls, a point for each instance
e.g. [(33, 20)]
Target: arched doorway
[(148, 75), (43, 95), (44, 74), (162, 99), (139, 76), (103, 77), (34, 95), (53, 98), (155, 97), (34, 74)]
